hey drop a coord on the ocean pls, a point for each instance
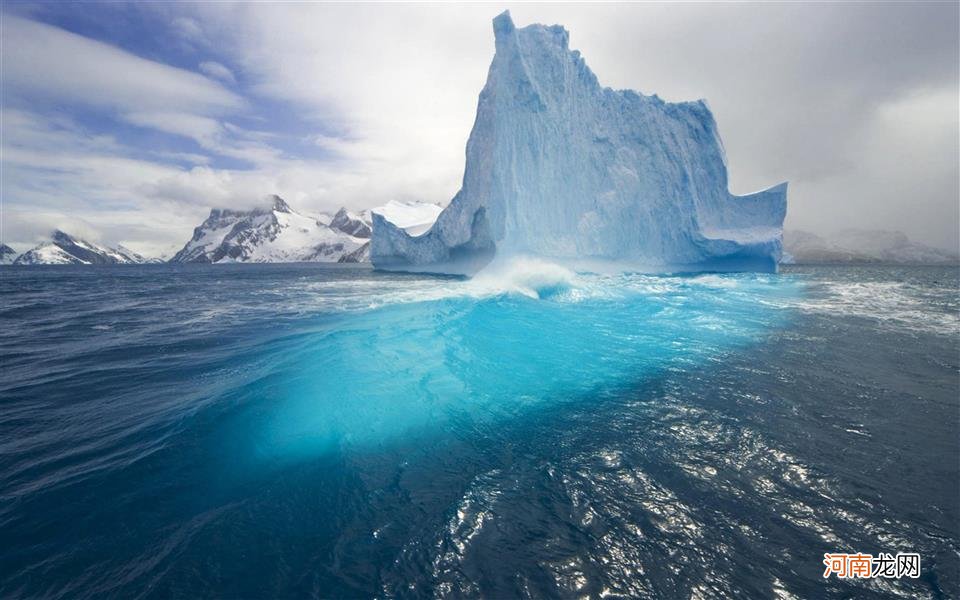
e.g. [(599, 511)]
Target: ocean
[(307, 430)]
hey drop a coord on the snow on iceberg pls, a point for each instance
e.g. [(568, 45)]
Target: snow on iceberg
[(560, 167), (413, 217)]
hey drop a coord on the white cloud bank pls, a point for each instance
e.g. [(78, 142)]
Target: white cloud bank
[(47, 61)]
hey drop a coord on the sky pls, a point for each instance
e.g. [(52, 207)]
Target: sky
[(125, 123)]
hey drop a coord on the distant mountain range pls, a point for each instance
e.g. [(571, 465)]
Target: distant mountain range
[(860, 246), (274, 232), (64, 249), (278, 233)]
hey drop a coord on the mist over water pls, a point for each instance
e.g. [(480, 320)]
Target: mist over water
[(278, 430)]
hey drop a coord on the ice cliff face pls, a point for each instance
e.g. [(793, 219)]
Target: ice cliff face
[(274, 233), (64, 249), (558, 166)]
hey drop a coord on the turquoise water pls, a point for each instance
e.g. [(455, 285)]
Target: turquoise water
[(288, 430), (471, 350)]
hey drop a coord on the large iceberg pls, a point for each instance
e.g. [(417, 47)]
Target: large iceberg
[(560, 167)]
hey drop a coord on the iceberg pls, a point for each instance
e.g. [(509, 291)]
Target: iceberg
[(413, 217), (559, 167)]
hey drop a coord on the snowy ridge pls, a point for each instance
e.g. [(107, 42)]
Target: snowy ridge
[(7, 255), (360, 255), (133, 257), (559, 167), (48, 253), (351, 223), (64, 249), (275, 233)]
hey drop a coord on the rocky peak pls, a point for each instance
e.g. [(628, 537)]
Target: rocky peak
[(351, 223), (59, 237), (279, 205)]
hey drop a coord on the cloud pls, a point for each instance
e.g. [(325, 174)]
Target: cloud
[(41, 60), (35, 226), (390, 93), (56, 174), (202, 129), (217, 71), (222, 138), (188, 29), (905, 176), (356, 105)]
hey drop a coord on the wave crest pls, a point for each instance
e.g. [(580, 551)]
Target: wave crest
[(531, 277)]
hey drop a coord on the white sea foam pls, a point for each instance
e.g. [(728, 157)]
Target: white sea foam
[(531, 277), (892, 303)]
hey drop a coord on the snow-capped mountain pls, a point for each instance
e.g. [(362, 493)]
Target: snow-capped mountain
[(558, 166), (7, 255), (64, 249), (278, 233), (274, 233), (861, 246), (134, 257)]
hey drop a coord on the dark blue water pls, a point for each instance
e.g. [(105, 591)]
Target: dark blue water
[(305, 430)]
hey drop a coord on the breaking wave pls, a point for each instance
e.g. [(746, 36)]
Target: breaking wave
[(531, 277)]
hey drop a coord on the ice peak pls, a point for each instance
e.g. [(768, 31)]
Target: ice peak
[(503, 30), (503, 25)]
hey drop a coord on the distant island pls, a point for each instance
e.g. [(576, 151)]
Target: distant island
[(861, 246)]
